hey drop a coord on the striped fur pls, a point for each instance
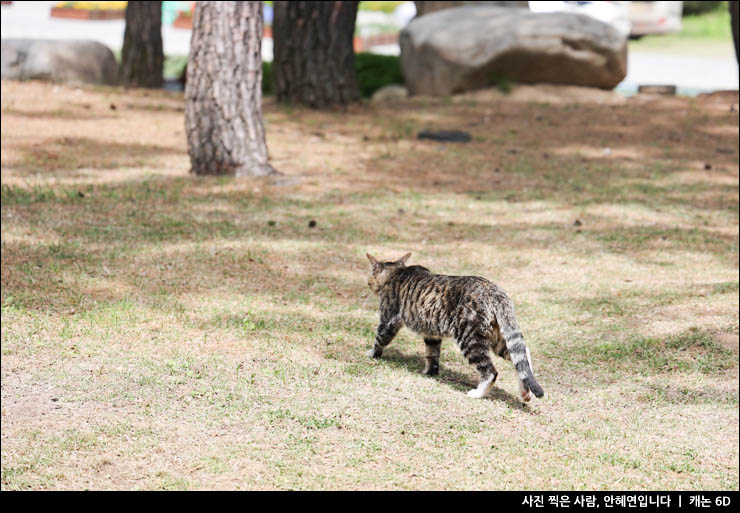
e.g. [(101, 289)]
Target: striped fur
[(471, 310)]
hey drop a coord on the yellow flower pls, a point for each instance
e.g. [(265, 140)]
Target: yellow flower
[(94, 6)]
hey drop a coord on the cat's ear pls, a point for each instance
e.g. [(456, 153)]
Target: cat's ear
[(404, 258), (371, 258)]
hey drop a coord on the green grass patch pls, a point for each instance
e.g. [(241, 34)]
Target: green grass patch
[(16, 195), (691, 351), (707, 34), (726, 287), (382, 6), (714, 24)]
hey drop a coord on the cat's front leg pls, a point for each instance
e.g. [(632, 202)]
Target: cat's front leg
[(387, 330), (433, 345)]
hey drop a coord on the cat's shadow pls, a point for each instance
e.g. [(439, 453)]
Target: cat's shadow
[(457, 380)]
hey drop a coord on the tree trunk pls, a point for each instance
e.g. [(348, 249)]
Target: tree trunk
[(142, 57), (734, 5), (314, 58), (223, 95)]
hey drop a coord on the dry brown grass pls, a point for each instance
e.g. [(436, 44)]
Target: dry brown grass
[(165, 331)]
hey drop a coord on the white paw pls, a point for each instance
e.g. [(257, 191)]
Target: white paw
[(526, 396), (476, 394), (371, 354)]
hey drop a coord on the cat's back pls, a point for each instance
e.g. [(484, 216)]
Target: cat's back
[(416, 281), (432, 303)]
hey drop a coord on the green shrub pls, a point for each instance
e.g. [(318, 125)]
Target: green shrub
[(174, 66), (501, 82), (267, 86), (373, 72)]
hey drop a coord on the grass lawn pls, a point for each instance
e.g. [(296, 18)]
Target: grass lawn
[(706, 35), (163, 331)]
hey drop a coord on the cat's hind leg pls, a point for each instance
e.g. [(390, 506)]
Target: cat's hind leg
[(523, 392), (476, 351), (433, 345)]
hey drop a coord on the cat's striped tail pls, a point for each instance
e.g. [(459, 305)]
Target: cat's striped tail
[(518, 352)]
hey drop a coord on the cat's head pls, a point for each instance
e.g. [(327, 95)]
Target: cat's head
[(382, 271)]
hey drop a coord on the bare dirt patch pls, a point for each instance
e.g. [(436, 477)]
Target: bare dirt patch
[(728, 340)]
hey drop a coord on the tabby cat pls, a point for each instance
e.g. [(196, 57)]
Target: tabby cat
[(472, 310)]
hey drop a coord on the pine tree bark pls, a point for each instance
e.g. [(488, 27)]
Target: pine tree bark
[(314, 58), (223, 95), (142, 56)]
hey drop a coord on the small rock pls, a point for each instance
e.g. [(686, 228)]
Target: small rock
[(112, 106), (707, 166), (391, 92), (312, 224), (270, 223), (577, 223)]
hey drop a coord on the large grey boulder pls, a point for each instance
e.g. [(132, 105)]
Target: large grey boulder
[(423, 8), (58, 61), (466, 48)]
